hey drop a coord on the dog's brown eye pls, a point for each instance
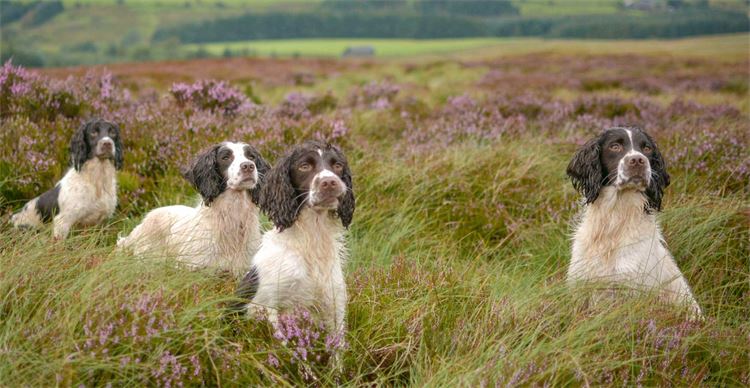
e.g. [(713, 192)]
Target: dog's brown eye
[(338, 166), (305, 167), (646, 149), (225, 157), (616, 147)]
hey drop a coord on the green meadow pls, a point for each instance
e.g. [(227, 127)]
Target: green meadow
[(718, 46), (335, 47)]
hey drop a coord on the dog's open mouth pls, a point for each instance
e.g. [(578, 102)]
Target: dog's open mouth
[(242, 184), (635, 182)]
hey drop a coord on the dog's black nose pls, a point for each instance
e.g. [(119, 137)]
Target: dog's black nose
[(107, 145), (636, 161), (329, 183), (247, 167)]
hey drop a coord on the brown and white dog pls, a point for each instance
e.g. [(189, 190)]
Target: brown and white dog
[(223, 231), (622, 176), (308, 196), (87, 193)]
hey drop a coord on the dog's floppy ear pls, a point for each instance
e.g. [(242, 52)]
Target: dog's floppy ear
[(262, 167), (203, 173), (346, 204), (659, 177), (585, 170), (118, 147), (278, 198), (79, 146)]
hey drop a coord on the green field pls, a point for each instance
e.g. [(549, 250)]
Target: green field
[(729, 46), (335, 47), (566, 7)]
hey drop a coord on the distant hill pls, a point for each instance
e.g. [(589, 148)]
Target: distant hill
[(72, 32)]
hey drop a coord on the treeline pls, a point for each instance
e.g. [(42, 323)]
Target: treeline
[(277, 25), (674, 24), (416, 19), (91, 53), (482, 8), (26, 58), (384, 24), (31, 13)]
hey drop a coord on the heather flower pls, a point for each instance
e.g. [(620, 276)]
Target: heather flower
[(19, 89), (295, 106), (339, 129), (460, 104), (306, 342), (211, 95), (460, 119), (196, 365), (375, 95), (381, 104), (105, 86)]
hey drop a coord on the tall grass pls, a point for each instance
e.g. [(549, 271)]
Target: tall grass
[(442, 292)]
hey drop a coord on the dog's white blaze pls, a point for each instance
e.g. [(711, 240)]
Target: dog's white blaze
[(320, 152), (621, 177), (324, 173), (234, 171)]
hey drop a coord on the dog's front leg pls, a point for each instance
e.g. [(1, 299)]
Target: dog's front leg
[(336, 322), (62, 223), (678, 292)]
